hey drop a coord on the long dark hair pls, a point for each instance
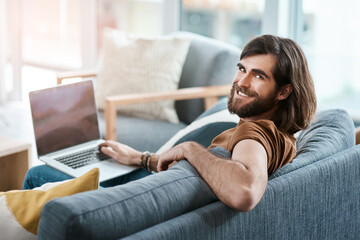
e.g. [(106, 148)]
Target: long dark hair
[(295, 112)]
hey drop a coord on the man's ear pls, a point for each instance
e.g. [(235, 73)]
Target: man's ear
[(284, 92)]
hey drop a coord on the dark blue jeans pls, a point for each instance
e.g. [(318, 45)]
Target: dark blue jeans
[(39, 175)]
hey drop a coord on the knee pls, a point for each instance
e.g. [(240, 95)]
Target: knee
[(30, 177), (39, 175)]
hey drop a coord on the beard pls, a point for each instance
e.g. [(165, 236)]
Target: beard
[(258, 106)]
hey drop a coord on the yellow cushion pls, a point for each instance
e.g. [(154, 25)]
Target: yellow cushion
[(20, 209), (141, 65)]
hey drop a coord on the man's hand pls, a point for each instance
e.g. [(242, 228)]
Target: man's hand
[(121, 152), (175, 154)]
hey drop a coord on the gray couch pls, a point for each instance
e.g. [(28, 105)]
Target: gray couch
[(314, 197)]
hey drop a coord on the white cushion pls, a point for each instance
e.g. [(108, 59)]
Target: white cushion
[(20, 209), (219, 117), (141, 65)]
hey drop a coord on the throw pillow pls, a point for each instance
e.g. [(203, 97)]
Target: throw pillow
[(141, 65), (20, 209), (205, 128)]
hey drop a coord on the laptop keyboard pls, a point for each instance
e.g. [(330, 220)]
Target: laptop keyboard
[(82, 158)]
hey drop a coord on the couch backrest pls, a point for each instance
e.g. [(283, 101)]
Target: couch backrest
[(209, 62), (332, 131)]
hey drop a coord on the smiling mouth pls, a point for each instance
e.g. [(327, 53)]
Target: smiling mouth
[(241, 93)]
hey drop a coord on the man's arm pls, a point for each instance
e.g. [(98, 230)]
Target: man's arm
[(126, 155), (239, 182)]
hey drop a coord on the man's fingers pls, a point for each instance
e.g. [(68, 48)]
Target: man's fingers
[(159, 166), (163, 164), (108, 151), (104, 144), (162, 167), (112, 144), (108, 143)]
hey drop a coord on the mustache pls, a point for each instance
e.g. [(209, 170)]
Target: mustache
[(246, 91)]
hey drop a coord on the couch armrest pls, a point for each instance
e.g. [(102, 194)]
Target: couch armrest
[(210, 95), (113, 213), (60, 76)]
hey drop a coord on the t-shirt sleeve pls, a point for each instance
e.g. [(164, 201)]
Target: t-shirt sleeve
[(263, 132), (280, 148)]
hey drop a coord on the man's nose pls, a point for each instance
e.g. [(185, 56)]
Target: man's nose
[(244, 80)]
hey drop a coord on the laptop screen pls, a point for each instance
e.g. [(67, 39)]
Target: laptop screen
[(64, 116)]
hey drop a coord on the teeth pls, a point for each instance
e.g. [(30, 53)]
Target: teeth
[(242, 94)]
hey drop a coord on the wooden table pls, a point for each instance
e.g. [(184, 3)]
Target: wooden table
[(15, 159)]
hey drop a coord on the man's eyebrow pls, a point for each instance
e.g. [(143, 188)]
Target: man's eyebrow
[(261, 72), (240, 65), (258, 71)]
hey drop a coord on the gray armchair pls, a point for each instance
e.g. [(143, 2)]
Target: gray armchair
[(207, 74)]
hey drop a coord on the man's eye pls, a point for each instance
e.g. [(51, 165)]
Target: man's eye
[(242, 69), (260, 77)]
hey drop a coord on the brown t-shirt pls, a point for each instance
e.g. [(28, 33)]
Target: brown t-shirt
[(280, 147)]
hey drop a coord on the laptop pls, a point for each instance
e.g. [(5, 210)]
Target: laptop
[(67, 131)]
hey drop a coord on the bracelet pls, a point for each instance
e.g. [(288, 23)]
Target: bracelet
[(148, 166), (143, 158)]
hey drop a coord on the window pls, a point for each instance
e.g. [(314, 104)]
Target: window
[(139, 17), (232, 21), (45, 36), (40, 37), (330, 41), (51, 33)]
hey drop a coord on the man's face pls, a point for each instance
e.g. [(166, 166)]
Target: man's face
[(254, 94)]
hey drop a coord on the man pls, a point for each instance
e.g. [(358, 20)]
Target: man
[(273, 94)]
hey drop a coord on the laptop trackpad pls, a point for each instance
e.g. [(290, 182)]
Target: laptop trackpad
[(110, 169)]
